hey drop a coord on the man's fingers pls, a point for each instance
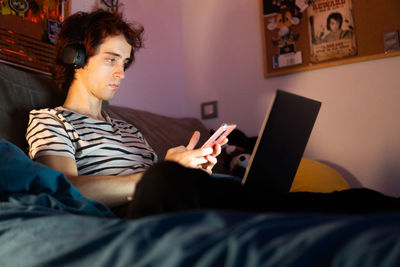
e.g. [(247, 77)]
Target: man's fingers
[(212, 160), (193, 140), (217, 150), (199, 161), (200, 152), (224, 142), (201, 158)]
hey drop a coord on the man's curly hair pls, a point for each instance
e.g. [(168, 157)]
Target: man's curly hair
[(102, 24)]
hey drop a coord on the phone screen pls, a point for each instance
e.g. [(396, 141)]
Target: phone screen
[(219, 135)]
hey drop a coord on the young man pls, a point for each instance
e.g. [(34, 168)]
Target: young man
[(102, 157), (110, 161)]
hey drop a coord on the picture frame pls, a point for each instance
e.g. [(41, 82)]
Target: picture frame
[(368, 36)]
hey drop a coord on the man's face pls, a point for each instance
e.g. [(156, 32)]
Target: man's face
[(104, 71)]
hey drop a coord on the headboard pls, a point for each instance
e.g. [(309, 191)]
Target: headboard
[(20, 92)]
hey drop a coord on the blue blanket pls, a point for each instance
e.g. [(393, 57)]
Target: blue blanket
[(45, 221), (30, 183), (43, 237)]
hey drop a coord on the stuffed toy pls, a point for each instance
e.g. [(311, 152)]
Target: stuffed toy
[(238, 152), (237, 159)]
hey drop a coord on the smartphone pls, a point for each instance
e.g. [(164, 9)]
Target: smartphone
[(219, 135)]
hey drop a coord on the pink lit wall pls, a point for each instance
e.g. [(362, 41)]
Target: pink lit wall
[(156, 80), (358, 129), (211, 50)]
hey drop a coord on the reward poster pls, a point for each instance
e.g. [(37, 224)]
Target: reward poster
[(332, 33)]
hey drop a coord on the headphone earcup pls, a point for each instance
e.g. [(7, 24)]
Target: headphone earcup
[(74, 54)]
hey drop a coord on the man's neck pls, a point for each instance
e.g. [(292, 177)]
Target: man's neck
[(79, 101)]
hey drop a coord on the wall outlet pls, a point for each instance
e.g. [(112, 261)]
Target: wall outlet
[(209, 110)]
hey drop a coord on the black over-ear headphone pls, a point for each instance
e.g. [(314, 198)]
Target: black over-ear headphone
[(74, 53)]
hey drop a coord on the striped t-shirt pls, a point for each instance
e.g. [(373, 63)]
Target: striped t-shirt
[(111, 147)]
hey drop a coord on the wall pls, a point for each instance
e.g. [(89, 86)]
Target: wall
[(155, 81), (211, 50), (357, 130)]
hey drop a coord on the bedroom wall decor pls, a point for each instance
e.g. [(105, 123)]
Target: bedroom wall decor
[(28, 31), (301, 35)]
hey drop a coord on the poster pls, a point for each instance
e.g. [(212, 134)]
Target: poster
[(281, 19), (331, 30), (39, 19)]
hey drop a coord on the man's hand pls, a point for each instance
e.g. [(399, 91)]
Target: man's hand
[(212, 158), (201, 158)]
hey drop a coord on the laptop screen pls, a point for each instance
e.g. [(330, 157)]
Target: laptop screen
[(281, 142)]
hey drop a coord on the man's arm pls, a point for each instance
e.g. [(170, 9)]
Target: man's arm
[(116, 190), (109, 190)]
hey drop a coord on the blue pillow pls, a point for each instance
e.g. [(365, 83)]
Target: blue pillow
[(32, 183)]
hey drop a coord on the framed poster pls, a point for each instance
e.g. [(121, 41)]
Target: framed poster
[(331, 30), (281, 20), (368, 30), (28, 31)]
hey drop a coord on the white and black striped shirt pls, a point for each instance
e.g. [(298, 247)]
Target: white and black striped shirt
[(111, 147)]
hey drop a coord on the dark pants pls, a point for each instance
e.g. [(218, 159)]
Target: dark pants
[(169, 187)]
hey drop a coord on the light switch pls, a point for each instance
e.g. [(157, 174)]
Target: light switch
[(209, 110)]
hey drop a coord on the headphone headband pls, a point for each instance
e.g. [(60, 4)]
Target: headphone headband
[(74, 53)]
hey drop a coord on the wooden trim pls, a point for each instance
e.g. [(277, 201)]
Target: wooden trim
[(333, 63)]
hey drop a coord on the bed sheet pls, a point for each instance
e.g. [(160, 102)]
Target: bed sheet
[(39, 236), (45, 221)]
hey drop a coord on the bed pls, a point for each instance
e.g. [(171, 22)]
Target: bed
[(45, 221)]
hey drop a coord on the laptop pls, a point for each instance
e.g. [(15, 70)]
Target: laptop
[(281, 142)]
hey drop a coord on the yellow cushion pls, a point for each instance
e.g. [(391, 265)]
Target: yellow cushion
[(314, 176)]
